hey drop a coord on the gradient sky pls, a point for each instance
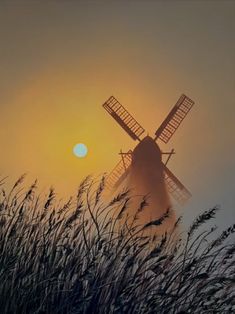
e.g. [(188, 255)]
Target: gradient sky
[(60, 60)]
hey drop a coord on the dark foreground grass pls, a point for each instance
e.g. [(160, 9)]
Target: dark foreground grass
[(79, 257)]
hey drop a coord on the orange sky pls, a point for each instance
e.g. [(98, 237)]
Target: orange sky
[(60, 61)]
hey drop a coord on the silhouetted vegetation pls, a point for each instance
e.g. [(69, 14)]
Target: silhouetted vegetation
[(79, 257)]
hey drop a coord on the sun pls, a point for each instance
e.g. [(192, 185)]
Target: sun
[(80, 150)]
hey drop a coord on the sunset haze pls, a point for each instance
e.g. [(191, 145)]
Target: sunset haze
[(60, 61)]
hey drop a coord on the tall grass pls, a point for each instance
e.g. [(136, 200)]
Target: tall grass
[(79, 257)]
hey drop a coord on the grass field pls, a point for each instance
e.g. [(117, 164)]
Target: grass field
[(79, 257)]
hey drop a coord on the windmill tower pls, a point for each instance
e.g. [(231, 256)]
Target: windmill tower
[(143, 169)]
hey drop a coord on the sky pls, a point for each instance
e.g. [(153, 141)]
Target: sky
[(61, 60)]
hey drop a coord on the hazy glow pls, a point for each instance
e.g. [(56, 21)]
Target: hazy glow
[(145, 54), (80, 150)]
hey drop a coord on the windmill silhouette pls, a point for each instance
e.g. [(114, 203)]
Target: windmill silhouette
[(147, 154)]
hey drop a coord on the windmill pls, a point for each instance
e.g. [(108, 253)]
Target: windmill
[(163, 133)]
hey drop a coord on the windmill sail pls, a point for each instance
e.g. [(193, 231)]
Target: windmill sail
[(124, 118), (175, 187), (174, 119), (119, 170)]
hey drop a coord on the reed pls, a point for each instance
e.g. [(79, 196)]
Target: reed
[(77, 257)]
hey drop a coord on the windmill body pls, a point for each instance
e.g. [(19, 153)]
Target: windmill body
[(146, 177), (142, 170)]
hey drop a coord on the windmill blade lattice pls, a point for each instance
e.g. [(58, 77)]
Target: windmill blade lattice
[(174, 119), (175, 187), (119, 170), (123, 118)]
